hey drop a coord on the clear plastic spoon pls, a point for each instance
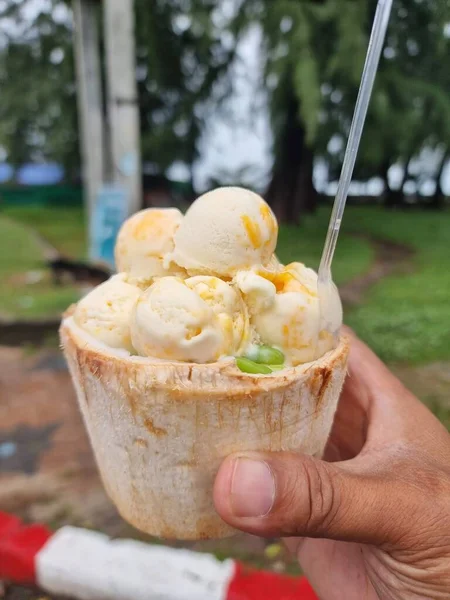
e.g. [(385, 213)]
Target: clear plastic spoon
[(327, 291)]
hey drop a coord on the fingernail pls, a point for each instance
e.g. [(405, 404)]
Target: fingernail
[(252, 488)]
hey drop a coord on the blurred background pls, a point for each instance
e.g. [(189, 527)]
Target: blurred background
[(109, 106)]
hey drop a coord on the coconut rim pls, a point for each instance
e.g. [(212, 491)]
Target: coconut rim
[(218, 378)]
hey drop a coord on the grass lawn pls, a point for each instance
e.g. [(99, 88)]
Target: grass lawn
[(406, 318), (21, 256), (63, 228), (19, 252), (353, 256)]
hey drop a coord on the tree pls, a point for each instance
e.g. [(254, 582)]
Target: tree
[(312, 51), (410, 108), (305, 45), (438, 200), (38, 116), (314, 54), (181, 59)]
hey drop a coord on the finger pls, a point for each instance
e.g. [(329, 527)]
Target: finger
[(375, 407), (288, 494)]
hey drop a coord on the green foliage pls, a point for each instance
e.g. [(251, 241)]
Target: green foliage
[(179, 49), (317, 50), (38, 116), (410, 109), (180, 60), (313, 54)]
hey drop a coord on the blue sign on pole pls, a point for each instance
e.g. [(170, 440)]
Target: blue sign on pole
[(110, 212)]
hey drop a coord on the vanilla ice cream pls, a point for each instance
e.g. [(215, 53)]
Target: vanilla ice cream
[(291, 324), (274, 263), (224, 231), (285, 311), (105, 312), (260, 285), (332, 320), (296, 273), (208, 285), (258, 291), (172, 321), (143, 242), (229, 307)]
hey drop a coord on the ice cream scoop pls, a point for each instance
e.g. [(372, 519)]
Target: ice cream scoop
[(309, 281), (260, 285), (143, 242), (171, 321), (291, 323), (105, 312), (229, 307), (224, 231), (286, 312)]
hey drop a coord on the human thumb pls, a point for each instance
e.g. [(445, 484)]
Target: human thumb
[(288, 494)]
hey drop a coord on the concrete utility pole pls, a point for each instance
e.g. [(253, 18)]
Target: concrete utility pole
[(123, 109), (90, 108)]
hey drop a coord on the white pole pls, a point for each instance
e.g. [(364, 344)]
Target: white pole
[(90, 109), (123, 99)]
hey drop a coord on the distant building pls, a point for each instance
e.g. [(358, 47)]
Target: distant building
[(45, 184), (32, 174)]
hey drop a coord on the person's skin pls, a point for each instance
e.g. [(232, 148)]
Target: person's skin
[(373, 520)]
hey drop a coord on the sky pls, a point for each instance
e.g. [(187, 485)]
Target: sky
[(246, 142)]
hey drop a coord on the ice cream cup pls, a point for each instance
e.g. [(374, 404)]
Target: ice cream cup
[(160, 430)]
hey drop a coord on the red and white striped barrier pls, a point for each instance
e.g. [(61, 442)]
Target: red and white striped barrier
[(90, 566)]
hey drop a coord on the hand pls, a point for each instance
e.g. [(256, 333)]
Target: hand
[(372, 520)]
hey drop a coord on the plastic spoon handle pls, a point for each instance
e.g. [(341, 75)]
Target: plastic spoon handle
[(365, 91)]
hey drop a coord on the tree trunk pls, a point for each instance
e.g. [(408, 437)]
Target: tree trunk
[(438, 200), (392, 198), (306, 182), (291, 191), (405, 174), (384, 174)]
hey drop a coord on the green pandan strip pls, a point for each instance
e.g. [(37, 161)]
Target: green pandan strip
[(249, 366), (266, 355)]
